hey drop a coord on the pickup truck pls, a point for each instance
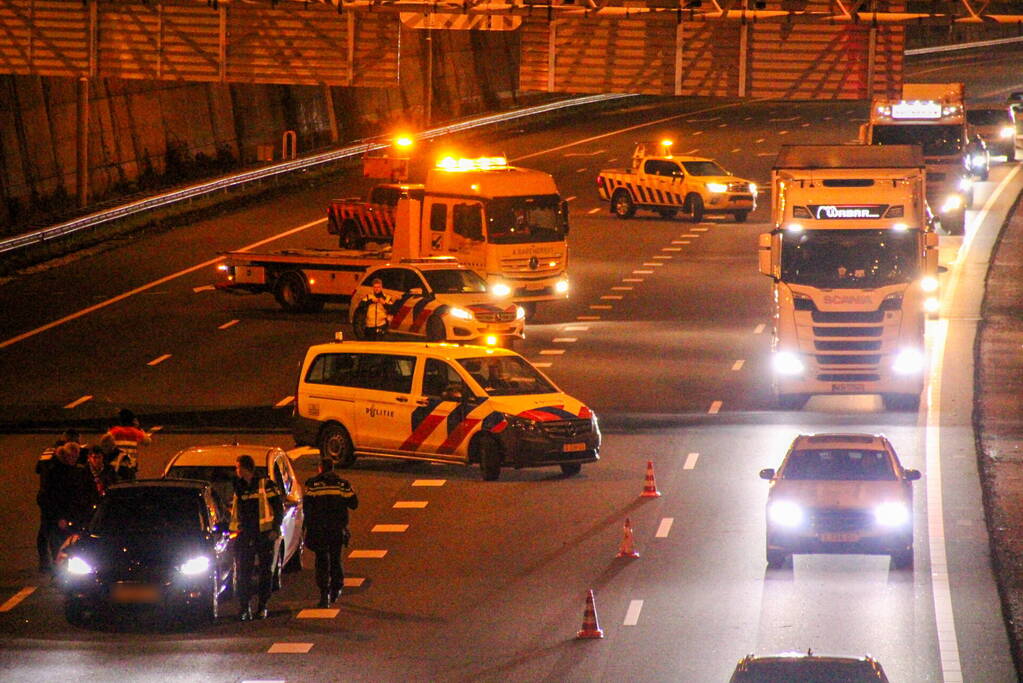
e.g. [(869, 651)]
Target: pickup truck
[(358, 222)]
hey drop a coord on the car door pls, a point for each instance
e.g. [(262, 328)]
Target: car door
[(467, 241), (666, 180), (383, 400), (291, 526), (441, 422), (412, 305), (219, 520)]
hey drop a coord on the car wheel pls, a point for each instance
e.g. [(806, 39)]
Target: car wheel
[(667, 214), (336, 444), (741, 216), (277, 578), (74, 612), (695, 208), (571, 468), (349, 236), (901, 402), (776, 558), (295, 563), (622, 204), (292, 293), (903, 559), (489, 453), (435, 331), (792, 401), (955, 224)]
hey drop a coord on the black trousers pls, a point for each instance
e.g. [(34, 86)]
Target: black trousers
[(48, 531), (330, 575), (254, 554)]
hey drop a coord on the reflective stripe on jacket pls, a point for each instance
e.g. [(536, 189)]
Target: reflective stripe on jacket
[(266, 515)]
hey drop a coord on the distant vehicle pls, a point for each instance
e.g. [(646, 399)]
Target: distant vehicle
[(668, 183), (840, 493), (358, 222), (215, 464), (795, 667), (997, 127), (152, 543)]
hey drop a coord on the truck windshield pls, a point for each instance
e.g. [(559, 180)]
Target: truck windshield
[(455, 281), (506, 376), (516, 220), (937, 140), (849, 259), (703, 168)]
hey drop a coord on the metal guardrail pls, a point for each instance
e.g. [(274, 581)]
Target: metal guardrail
[(194, 191), (960, 46)]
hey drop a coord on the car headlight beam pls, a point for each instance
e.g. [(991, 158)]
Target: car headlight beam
[(891, 514), (460, 313), (196, 565), (500, 289), (561, 287), (787, 363), (520, 313), (717, 188), (785, 513), (79, 567), (909, 362)]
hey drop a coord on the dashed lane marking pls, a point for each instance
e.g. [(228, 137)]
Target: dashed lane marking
[(642, 272), (652, 264), (699, 229), (410, 504), (284, 402), (575, 328), (737, 365), (564, 340), (551, 352), (429, 482), (621, 288), (611, 297), (736, 150), (664, 528), (692, 151), (759, 328), (632, 614), (568, 199), (612, 160), (15, 599), (758, 140), (203, 288), (158, 360), (771, 154), (783, 132), (632, 279), (155, 428), (680, 242), (663, 257), (715, 406), (78, 402), (690, 235), (805, 125), (542, 365), (318, 613), (788, 118), (581, 170), (290, 648), (601, 307), (691, 461), (671, 248), (354, 581), (367, 554), (587, 317), (722, 125), (389, 528), (594, 210), (228, 324), (699, 132)]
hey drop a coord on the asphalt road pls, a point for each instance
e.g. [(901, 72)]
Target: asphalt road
[(488, 583)]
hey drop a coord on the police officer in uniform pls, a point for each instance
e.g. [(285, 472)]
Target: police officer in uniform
[(256, 515), (328, 498), (376, 311)]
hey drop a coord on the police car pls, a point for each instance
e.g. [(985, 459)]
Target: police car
[(440, 300), (441, 403)]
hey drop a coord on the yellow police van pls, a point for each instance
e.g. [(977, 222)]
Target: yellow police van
[(440, 403)]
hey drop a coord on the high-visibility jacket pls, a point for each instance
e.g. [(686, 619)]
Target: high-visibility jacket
[(377, 309), (328, 498), (128, 440), (256, 506)]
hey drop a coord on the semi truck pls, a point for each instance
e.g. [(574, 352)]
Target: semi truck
[(854, 260), (933, 116)]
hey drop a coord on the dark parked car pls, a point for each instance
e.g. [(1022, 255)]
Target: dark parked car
[(796, 667), (153, 542), (997, 127)]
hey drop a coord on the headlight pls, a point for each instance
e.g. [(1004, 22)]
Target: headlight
[(787, 363), (500, 289), (785, 513), (523, 423), (561, 286), (79, 567), (1007, 132), (717, 187), (753, 188), (929, 283), (931, 304), (908, 362), (891, 514), (460, 313), (953, 202), (490, 340), (965, 184), (900, 227), (520, 313), (196, 565), (794, 227), (977, 161)]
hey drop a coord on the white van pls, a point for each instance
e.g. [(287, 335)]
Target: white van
[(442, 403)]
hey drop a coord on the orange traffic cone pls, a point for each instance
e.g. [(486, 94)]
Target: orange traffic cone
[(591, 629), (650, 488), (626, 549)]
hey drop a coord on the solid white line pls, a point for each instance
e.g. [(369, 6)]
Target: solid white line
[(551, 352), (13, 601), (203, 288), (691, 461), (737, 365), (564, 340), (429, 482), (228, 324), (410, 504), (664, 528), (575, 328), (318, 613), (759, 328), (78, 402), (159, 359), (714, 407), (389, 528), (367, 554), (284, 401), (593, 211), (290, 648), (632, 615)]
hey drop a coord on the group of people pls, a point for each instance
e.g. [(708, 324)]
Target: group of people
[(74, 477)]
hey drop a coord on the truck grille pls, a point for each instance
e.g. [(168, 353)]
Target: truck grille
[(525, 264), (566, 430), (847, 331), (495, 316), (848, 316), (738, 187), (851, 359), (849, 377), (827, 520), (847, 345)]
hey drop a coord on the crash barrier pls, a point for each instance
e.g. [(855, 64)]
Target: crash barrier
[(239, 180), (960, 46)]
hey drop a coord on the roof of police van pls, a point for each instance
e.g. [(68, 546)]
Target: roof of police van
[(435, 349), (849, 156)]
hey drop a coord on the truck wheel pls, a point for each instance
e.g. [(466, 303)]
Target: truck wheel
[(903, 559), (792, 401), (667, 214), (622, 204), (435, 331), (741, 216), (902, 402), (955, 224), (488, 452), (695, 208), (349, 236), (336, 444), (776, 559), (292, 293)]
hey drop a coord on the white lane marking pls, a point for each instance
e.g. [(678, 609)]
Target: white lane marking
[(610, 161), (228, 324), (284, 402), (805, 125), (827, 118), (155, 428), (264, 680), (715, 406), (691, 461), (789, 118), (429, 482), (671, 248), (77, 402), (680, 241), (13, 601), (663, 257), (736, 150), (593, 211), (982, 214), (581, 170), (289, 648), (551, 352), (611, 297), (354, 581), (758, 140), (542, 365), (642, 272), (585, 154), (621, 288), (632, 614), (759, 328), (737, 365), (389, 528), (203, 288), (159, 359), (783, 132), (707, 120), (632, 279), (771, 154), (410, 504), (318, 613), (694, 150), (689, 235), (722, 125), (699, 230), (699, 132), (601, 307), (575, 328), (154, 283), (664, 528), (651, 264), (367, 554), (568, 199), (587, 317), (564, 340)]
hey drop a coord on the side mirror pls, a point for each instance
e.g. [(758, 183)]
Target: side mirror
[(416, 291), (767, 473), (911, 475)]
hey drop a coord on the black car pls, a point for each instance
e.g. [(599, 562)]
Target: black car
[(793, 667), (159, 543)]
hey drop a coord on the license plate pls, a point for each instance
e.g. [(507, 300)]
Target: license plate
[(135, 593), (840, 538), (849, 387), (573, 447)]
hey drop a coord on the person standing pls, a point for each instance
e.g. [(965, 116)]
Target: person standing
[(377, 311), (328, 498), (47, 524), (63, 498), (127, 437), (99, 476), (256, 515)]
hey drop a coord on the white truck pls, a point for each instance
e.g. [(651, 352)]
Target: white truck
[(854, 260)]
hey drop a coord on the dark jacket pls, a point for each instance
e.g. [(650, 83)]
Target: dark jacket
[(97, 484), (328, 498), (246, 500), (63, 495)]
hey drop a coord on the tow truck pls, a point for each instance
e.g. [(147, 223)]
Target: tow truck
[(665, 183)]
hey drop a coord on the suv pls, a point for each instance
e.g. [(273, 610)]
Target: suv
[(997, 127), (840, 493), (440, 403)]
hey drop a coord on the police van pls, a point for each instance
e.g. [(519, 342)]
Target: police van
[(440, 403)]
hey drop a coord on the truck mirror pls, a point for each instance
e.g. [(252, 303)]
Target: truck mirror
[(767, 473), (764, 254), (563, 216)]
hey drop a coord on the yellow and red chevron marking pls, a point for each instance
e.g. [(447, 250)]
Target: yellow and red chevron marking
[(430, 436)]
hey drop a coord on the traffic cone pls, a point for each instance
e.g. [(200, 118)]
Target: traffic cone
[(591, 629), (650, 488), (626, 549)]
